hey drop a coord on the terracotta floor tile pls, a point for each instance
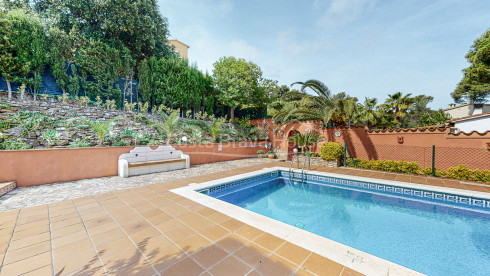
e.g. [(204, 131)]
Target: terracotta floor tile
[(72, 249), (179, 234), (159, 218), (215, 233), (268, 241), (252, 254), (29, 226), (293, 253), (350, 272), (189, 218), (218, 217), (108, 236), (45, 270), (141, 268), (209, 256), (84, 261), (30, 232), (275, 265), (193, 243), (70, 238), (136, 227), (232, 224), (200, 224), (122, 259), (94, 231), (303, 272), (206, 211), (229, 264), (143, 235), (419, 180), (67, 230), (68, 215), (110, 248), (248, 232), (154, 245), (232, 243), (435, 182), (98, 221), (477, 188), (453, 184), (27, 252), (29, 241), (322, 266), (167, 257), (27, 265), (185, 267), (66, 222), (169, 225)]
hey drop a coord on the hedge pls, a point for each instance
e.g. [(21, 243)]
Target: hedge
[(460, 172), (331, 151)]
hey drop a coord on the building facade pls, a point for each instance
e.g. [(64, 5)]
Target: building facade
[(179, 47)]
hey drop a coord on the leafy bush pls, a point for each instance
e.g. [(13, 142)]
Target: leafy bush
[(271, 152), (260, 152), (14, 145), (120, 143), (331, 151), (460, 172), (154, 142), (79, 144), (386, 165)]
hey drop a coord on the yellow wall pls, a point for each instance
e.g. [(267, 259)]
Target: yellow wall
[(180, 47)]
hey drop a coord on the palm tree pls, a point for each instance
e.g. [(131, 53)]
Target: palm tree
[(323, 107), (101, 128), (172, 121), (368, 114), (398, 104), (306, 140), (215, 129)]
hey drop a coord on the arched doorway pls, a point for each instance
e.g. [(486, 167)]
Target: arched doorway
[(291, 145)]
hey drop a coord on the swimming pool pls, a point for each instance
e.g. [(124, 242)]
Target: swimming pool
[(429, 231)]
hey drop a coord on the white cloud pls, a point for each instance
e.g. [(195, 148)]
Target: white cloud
[(241, 49), (341, 12)]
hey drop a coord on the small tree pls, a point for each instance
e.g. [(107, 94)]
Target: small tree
[(238, 83), (172, 121), (101, 128), (306, 140)]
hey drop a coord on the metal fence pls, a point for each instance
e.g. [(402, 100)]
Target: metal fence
[(442, 157)]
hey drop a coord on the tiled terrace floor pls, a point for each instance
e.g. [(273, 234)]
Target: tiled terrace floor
[(148, 230)]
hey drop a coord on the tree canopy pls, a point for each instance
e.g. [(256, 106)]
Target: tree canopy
[(238, 82), (475, 85)]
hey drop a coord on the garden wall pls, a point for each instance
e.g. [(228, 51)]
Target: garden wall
[(404, 144), (44, 166)]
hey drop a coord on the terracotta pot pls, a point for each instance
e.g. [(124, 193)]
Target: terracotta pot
[(271, 156)]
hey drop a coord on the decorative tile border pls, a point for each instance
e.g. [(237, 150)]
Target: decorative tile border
[(402, 191), (409, 193), (7, 187), (231, 184)]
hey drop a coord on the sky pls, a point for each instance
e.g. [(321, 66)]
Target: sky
[(366, 48)]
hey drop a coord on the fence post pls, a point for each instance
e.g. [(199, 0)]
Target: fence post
[(345, 154), (433, 160)]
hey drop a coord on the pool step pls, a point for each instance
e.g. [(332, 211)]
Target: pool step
[(6, 187)]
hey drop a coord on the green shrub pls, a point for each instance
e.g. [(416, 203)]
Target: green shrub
[(154, 142), (120, 143), (386, 165), (14, 145), (460, 172), (271, 152), (79, 144), (260, 152), (331, 151)]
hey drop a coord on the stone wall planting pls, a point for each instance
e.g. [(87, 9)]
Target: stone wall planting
[(27, 121)]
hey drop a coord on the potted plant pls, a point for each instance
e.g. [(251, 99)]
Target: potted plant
[(261, 153), (271, 154)]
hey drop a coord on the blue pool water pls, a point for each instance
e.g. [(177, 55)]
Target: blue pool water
[(426, 236)]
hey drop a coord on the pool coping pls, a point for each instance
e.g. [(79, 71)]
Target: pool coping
[(345, 255)]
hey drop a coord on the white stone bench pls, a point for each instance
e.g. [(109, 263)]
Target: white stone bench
[(144, 160)]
